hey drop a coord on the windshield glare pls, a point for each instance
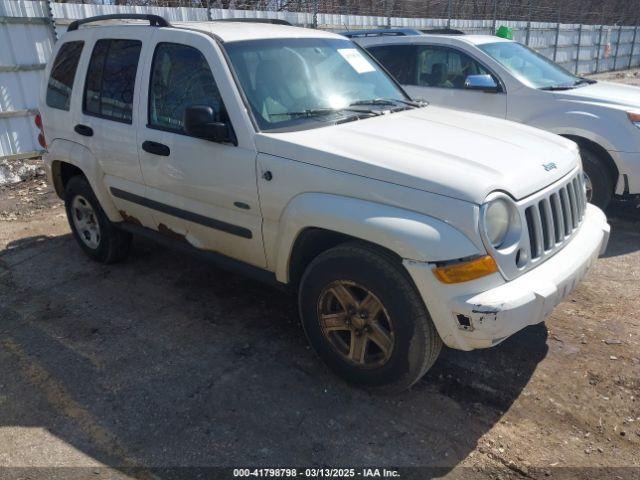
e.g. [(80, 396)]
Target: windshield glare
[(283, 78), (528, 66)]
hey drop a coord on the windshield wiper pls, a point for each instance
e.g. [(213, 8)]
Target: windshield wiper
[(318, 112), (558, 87), (387, 102), (578, 82), (585, 81)]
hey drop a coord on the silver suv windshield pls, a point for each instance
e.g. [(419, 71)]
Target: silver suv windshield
[(532, 68), (299, 83)]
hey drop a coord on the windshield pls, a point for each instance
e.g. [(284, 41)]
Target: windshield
[(298, 83), (530, 67)]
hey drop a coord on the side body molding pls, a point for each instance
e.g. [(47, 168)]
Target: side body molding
[(411, 235)]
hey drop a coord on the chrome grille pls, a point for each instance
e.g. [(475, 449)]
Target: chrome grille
[(552, 219)]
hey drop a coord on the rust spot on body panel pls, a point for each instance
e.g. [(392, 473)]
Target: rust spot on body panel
[(129, 218), (164, 230)]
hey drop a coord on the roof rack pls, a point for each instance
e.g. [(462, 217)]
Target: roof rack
[(443, 31), (154, 20), (275, 21), (381, 32)]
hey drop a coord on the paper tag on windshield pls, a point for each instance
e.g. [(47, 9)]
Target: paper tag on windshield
[(356, 60)]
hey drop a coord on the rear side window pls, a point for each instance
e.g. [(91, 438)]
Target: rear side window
[(108, 90), (62, 75), (180, 78)]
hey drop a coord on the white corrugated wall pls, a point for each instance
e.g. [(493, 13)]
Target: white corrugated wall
[(26, 41)]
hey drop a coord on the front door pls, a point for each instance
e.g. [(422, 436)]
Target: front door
[(200, 191)]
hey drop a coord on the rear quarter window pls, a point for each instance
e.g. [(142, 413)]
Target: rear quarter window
[(63, 72), (110, 83)]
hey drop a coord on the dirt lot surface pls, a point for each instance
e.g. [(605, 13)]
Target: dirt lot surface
[(630, 77), (164, 361)]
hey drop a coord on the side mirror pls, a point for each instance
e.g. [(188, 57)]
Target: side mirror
[(484, 83), (200, 121)]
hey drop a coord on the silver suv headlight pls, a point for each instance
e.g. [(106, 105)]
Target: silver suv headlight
[(500, 222)]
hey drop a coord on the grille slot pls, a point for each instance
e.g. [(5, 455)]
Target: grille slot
[(553, 218)]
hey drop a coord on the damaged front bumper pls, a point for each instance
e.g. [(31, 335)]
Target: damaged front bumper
[(483, 313)]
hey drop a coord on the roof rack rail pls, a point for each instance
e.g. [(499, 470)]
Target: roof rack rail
[(154, 20), (275, 21), (381, 32), (443, 31)]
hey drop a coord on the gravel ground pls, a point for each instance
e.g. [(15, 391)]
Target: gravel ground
[(123, 370), (630, 77)]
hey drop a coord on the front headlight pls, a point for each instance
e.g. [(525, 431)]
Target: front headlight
[(496, 220), (500, 221), (635, 118)]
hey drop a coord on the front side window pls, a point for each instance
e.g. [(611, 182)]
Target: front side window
[(180, 77), (445, 67), (530, 67), (399, 60), (111, 79), (63, 73), (298, 83)]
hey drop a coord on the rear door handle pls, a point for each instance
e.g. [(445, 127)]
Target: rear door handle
[(84, 130), (156, 148)]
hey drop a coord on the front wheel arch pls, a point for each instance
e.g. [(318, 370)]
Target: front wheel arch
[(598, 150)]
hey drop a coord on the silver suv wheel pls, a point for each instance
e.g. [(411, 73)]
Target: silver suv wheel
[(86, 223)]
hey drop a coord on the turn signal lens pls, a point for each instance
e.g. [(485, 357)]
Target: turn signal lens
[(635, 118), (466, 271)]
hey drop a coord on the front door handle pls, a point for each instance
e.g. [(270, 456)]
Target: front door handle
[(156, 148), (84, 130)]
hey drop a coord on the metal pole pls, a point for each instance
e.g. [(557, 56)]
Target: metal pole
[(529, 23), (599, 48), (209, 16), (52, 20), (579, 43), (615, 59), (449, 14), (633, 45), (495, 16), (315, 13), (387, 12), (555, 45)]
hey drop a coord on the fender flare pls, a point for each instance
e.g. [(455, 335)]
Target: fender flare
[(411, 235), (78, 155)]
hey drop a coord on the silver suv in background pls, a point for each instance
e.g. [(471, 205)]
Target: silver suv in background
[(505, 79)]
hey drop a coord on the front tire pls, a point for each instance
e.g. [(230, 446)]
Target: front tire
[(100, 239), (599, 180), (365, 319)]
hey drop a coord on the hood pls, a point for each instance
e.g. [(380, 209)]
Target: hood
[(613, 94), (457, 154)]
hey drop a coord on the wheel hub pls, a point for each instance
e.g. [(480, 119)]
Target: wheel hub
[(356, 324), (85, 221)]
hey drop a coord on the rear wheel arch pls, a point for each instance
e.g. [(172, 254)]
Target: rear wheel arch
[(62, 172)]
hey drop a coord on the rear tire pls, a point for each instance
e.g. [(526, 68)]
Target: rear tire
[(599, 180), (365, 319), (100, 239)]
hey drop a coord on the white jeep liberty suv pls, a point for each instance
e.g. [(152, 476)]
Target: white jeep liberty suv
[(292, 154)]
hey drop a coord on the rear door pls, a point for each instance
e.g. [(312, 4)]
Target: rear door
[(437, 73), (201, 191), (105, 121)]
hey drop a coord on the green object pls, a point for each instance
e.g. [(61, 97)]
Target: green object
[(505, 32)]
